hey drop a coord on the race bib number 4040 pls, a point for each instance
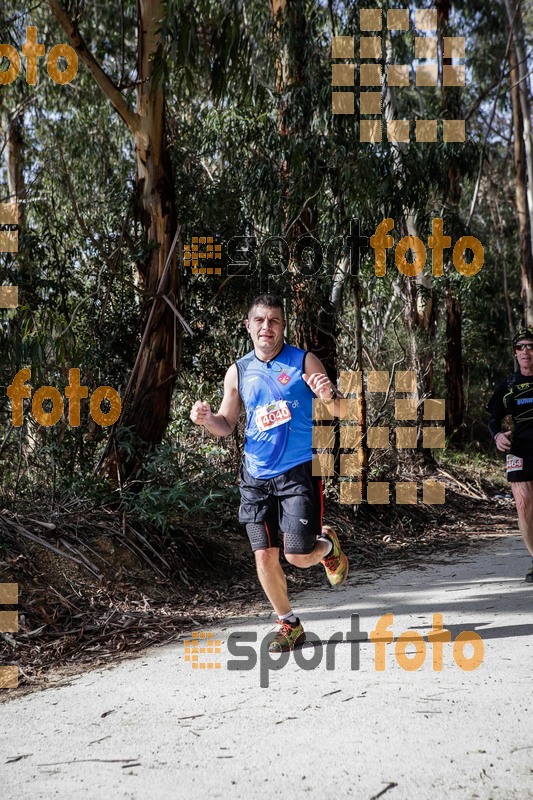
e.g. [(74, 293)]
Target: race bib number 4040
[(272, 416)]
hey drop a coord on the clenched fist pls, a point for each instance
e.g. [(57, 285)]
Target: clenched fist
[(320, 384), (201, 412)]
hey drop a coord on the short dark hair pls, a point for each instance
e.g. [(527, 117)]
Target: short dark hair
[(267, 300)]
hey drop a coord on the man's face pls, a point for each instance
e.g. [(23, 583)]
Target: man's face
[(524, 356), (265, 326)]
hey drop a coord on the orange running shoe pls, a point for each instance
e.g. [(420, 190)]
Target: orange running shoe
[(287, 637), (336, 562)]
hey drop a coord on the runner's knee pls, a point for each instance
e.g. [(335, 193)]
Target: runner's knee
[(524, 504), (524, 500), (266, 558), (298, 559)]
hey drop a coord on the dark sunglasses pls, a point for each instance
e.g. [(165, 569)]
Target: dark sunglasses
[(523, 346)]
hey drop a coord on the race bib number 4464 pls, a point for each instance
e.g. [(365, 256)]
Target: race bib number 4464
[(272, 416), (514, 463)]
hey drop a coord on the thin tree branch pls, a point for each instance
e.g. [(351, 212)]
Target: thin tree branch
[(489, 128), (103, 80)]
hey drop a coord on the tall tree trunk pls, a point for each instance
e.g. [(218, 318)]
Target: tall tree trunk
[(419, 316), (14, 158), (313, 315), (156, 375), (521, 193), (13, 126), (451, 195), (514, 16), (13, 129), (454, 368), (157, 361), (361, 396)]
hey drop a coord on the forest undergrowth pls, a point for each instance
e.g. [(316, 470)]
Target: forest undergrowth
[(98, 580)]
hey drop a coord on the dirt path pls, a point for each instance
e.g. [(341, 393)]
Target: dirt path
[(153, 727)]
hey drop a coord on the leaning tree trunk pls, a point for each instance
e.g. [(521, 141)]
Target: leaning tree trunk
[(156, 365)]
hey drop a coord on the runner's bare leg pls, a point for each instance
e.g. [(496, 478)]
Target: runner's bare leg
[(523, 495), (272, 579)]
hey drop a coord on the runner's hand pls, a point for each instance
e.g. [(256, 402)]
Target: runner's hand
[(502, 441), (320, 384), (200, 412)]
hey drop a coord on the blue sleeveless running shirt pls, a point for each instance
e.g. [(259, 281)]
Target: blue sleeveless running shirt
[(273, 391)]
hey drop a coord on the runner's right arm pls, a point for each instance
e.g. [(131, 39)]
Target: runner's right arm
[(224, 421), (497, 412)]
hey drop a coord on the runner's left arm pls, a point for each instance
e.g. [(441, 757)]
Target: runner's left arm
[(317, 379)]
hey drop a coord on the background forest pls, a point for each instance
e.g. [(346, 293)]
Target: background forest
[(214, 119)]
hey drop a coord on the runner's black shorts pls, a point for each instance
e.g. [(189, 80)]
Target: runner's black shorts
[(291, 502)]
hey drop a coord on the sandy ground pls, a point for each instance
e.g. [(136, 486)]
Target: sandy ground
[(153, 727)]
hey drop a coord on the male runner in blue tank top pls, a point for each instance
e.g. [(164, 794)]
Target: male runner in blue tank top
[(276, 383), (514, 396)]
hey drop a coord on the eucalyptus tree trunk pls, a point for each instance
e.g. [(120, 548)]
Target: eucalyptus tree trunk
[(451, 195), (14, 160), (455, 405), (158, 359), (514, 16), (361, 396), (522, 194), (417, 291), (313, 315)]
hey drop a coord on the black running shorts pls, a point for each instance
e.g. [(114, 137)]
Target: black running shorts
[(291, 502)]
